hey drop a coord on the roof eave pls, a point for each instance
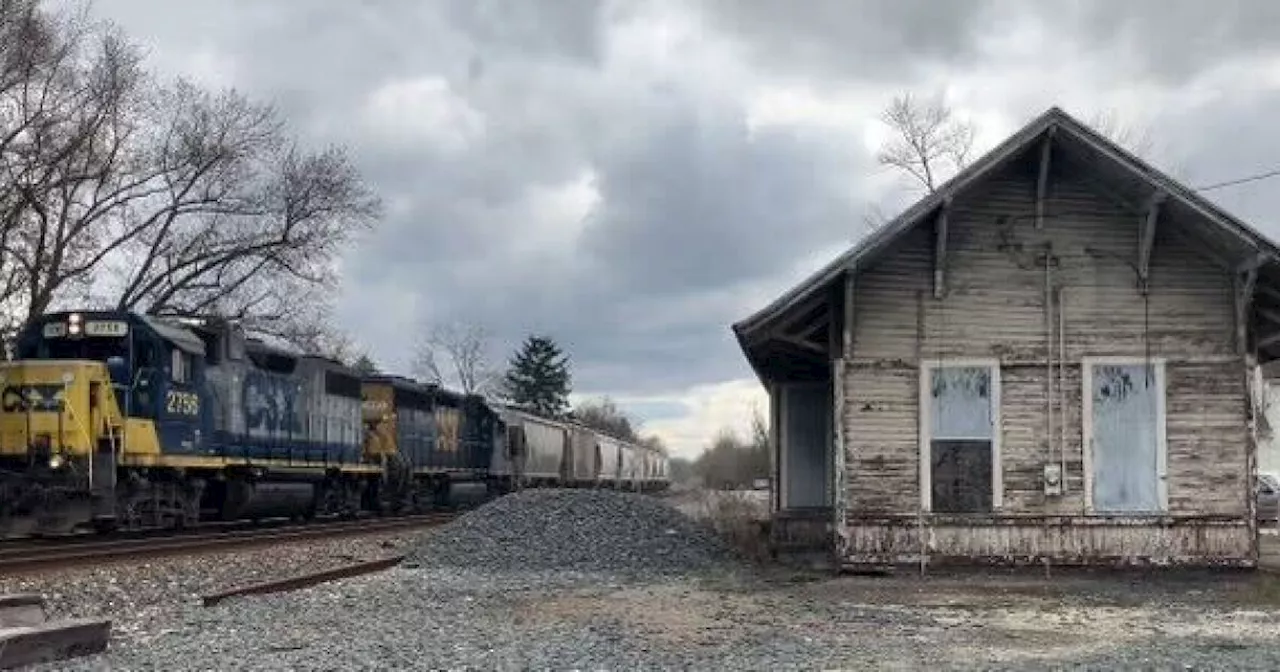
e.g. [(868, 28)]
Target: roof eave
[(908, 219)]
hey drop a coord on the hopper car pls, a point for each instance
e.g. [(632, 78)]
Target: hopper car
[(118, 420), (561, 453)]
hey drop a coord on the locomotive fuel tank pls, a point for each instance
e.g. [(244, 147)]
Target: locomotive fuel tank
[(255, 500)]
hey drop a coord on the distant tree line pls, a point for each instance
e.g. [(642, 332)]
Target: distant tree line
[(537, 378), (732, 462)]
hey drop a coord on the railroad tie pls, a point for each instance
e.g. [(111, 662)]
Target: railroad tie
[(27, 637)]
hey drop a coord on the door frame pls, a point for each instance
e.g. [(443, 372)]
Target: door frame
[(784, 441), (1162, 421), (925, 447)]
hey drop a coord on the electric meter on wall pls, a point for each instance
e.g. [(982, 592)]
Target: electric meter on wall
[(1052, 479)]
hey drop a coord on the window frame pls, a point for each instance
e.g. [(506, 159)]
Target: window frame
[(1158, 364), (925, 411), (179, 366)]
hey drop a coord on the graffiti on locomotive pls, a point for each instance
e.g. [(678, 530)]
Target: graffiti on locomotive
[(271, 403)]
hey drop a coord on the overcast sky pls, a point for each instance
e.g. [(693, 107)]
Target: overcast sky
[(632, 177)]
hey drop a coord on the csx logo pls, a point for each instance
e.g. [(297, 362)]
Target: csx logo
[(447, 422), (32, 398)]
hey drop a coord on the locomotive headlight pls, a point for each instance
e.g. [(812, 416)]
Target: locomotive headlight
[(56, 461), (74, 319), (73, 328)]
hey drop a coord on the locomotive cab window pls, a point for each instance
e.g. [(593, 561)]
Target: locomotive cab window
[(181, 367)]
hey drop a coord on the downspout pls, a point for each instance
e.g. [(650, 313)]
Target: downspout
[(920, 539), (1062, 390), (1048, 337)]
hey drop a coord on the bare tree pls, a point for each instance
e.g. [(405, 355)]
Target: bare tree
[(874, 217), (456, 355), (655, 443), (928, 141), (70, 93), (1134, 137), (310, 329), (605, 416), (166, 199)]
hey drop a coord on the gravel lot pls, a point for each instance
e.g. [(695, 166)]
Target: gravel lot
[(142, 597), (487, 614), (437, 618)]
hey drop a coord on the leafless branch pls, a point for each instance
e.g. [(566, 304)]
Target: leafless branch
[(168, 199), (1132, 136), (928, 140), (456, 355)]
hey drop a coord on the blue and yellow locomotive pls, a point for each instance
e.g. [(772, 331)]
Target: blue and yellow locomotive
[(119, 420)]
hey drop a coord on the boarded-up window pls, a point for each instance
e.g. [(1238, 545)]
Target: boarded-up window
[(960, 441), (1126, 401)]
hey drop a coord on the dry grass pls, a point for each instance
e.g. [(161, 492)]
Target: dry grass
[(737, 516)]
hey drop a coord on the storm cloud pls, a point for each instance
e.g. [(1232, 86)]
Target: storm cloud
[(631, 177)]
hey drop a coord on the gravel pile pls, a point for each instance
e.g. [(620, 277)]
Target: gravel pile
[(579, 530)]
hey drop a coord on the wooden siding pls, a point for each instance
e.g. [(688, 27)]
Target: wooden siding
[(995, 275), (1059, 540), (994, 306), (1207, 436), (882, 469), (1026, 449)]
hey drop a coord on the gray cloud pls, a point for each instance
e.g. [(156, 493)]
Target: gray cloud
[(695, 209), (875, 40), (1170, 41)]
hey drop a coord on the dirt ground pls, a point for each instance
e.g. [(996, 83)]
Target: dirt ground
[(957, 619)]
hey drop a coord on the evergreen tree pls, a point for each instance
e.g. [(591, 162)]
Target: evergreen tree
[(538, 379)]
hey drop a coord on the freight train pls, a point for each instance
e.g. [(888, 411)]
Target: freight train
[(117, 420)]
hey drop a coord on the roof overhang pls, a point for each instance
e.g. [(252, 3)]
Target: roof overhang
[(1128, 177)]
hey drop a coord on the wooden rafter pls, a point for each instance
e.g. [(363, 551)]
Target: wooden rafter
[(1148, 237), (1268, 290), (818, 332), (1244, 285), (1042, 178), (940, 250), (1269, 340), (797, 316), (1268, 314), (802, 344), (846, 347), (1253, 263)]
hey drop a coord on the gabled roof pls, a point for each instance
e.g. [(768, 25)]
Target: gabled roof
[(1068, 131)]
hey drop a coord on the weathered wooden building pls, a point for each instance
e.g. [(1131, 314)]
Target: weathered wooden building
[(1051, 358)]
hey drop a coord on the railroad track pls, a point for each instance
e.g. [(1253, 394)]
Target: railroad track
[(42, 555)]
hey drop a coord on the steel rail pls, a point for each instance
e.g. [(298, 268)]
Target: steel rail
[(28, 558)]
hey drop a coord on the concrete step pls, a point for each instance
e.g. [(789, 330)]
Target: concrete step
[(27, 637), (52, 641), (21, 609)]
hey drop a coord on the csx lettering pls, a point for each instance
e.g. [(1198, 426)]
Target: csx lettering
[(182, 403)]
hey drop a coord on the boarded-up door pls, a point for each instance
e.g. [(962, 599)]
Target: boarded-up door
[(806, 445), (1124, 413)]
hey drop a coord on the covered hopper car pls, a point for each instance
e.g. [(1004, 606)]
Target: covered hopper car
[(113, 419), (542, 451)]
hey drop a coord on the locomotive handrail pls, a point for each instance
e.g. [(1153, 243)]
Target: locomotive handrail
[(75, 420)]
